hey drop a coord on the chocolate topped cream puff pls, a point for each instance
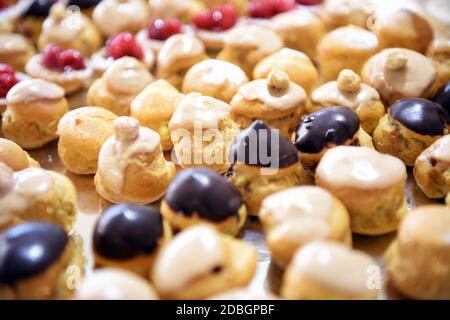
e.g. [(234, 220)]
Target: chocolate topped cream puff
[(439, 53), (14, 156), (203, 196), (418, 261), (129, 237), (263, 162), (341, 13), (349, 91), (327, 128), (15, 50), (34, 261), (275, 100), (443, 97), (131, 165), (370, 184), (398, 73), (200, 262), (409, 127)]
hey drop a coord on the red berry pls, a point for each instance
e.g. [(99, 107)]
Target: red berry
[(204, 20), (4, 5), (124, 44), (164, 29), (260, 9), (280, 6), (7, 81), (50, 57), (229, 17), (309, 2), (6, 68), (70, 59), (219, 19)]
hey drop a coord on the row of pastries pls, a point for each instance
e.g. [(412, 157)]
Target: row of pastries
[(305, 118)]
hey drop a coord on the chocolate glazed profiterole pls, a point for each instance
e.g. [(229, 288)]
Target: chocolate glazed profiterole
[(443, 97)]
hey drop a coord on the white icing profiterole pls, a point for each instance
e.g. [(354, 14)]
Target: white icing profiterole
[(360, 168), (439, 150), (335, 266), (346, 91), (13, 43), (218, 72), (63, 25), (178, 47), (127, 75), (114, 284), (193, 253), (276, 92), (128, 140), (261, 40), (195, 109), (34, 90)]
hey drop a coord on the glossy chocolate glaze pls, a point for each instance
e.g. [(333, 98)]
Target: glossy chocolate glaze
[(204, 192), (421, 116), (326, 127), (83, 4), (38, 8), (443, 97), (261, 146), (126, 231), (28, 249)]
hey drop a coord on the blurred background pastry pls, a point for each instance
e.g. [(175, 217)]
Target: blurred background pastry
[(8, 79), (14, 156), (15, 50), (181, 9), (32, 16), (86, 6), (439, 53), (341, 13), (155, 33)]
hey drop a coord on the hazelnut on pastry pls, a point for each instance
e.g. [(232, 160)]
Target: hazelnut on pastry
[(200, 262), (34, 108), (370, 185), (340, 13), (327, 128), (439, 53), (122, 81), (295, 216), (276, 100), (409, 127), (418, 261), (349, 91), (342, 275), (82, 132), (131, 165), (201, 195), (34, 261), (129, 237), (15, 50), (12, 155)]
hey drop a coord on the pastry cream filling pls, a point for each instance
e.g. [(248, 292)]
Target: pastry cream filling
[(260, 39), (360, 167), (193, 253), (179, 46), (217, 72), (13, 43), (32, 90), (334, 265), (440, 150)]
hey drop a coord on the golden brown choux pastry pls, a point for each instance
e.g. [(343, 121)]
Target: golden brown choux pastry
[(14, 156), (341, 13), (370, 184), (181, 9), (294, 63), (154, 106), (398, 73), (345, 48), (82, 133), (34, 108), (349, 91), (345, 274), (276, 100), (200, 262), (241, 5), (418, 261), (131, 165), (8, 79), (124, 79), (439, 53), (15, 50), (215, 78), (295, 216)]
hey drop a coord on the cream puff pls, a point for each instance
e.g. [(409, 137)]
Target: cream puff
[(15, 50), (181, 9), (14, 156), (400, 73), (345, 48), (439, 53), (37, 194), (202, 196), (34, 108), (8, 79), (129, 237), (215, 78), (35, 260), (295, 64), (201, 130), (82, 132), (200, 262), (349, 91), (295, 216), (300, 30), (327, 128), (69, 29), (86, 6), (124, 79), (275, 100), (159, 30), (154, 106), (178, 54), (247, 45), (409, 127), (114, 284), (370, 184), (116, 16), (418, 261), (432, 169), (324, 270), (341, 13), (263, 162), (131, 165)]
